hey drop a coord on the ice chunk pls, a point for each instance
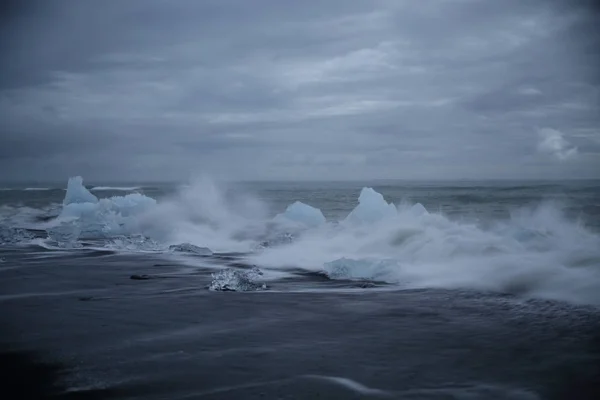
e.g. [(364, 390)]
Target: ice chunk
[(192, 249), (135, 243), (77, 193), (125, 206), (375, 270), (105, 217), (300, 213), (372, 207), (94, 219), (237, 280), (66, 234), (14, 235)]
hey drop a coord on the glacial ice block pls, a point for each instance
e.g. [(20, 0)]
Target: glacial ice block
[(301, 213), (367, 269), (105, 217), (371, 207), (77, 193)]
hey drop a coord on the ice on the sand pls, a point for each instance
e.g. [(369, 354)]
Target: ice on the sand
[(371, 207), (66, 234), (234, 280), (134, 243), (374, 270), (14, 235), (300, 213), (191, 249)]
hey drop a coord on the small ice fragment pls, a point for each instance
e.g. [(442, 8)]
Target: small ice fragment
[(66, 232), (142, 277), (190, 248), (135, 243), (374, 270), (235, 280), (14, 235)]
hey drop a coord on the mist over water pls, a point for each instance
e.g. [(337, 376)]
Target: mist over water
[(528, 240)]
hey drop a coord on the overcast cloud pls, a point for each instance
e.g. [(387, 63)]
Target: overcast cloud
[(274, 89)]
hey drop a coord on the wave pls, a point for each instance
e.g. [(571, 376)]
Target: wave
[(28, 217), (537, 252), (115, 188), (36, 189)]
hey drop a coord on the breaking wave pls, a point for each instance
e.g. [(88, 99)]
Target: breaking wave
[(537, 252)]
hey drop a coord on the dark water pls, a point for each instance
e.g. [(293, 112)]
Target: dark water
[(519, 322)]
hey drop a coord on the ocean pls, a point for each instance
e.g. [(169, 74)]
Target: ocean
[(301, 290)]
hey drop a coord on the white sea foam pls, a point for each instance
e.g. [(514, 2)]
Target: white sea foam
[(207, 215), (537, 252)]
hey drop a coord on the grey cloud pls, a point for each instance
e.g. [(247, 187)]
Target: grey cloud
[(270, 89), (553, 142)]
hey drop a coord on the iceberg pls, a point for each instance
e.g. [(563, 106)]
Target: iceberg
[(100, 217), (77, 193), (301, 214), (371, 208)]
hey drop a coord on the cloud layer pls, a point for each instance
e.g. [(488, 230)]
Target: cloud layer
[(554, 143), (156, 90)]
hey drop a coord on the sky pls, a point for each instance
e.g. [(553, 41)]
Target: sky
[(157, 90)]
